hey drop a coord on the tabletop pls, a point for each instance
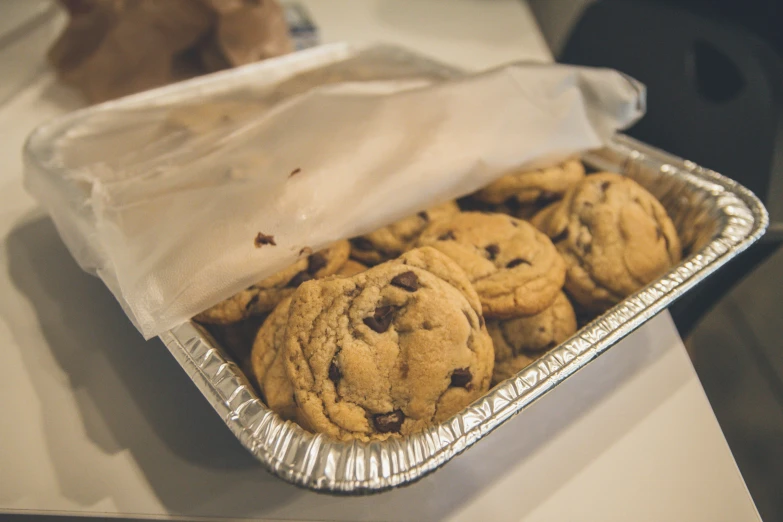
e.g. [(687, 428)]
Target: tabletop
[(98, 421)]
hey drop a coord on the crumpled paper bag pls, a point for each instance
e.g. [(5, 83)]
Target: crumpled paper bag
[(111, 48), (169, 222)]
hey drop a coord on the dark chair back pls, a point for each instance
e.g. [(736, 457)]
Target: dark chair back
[(715, 92)]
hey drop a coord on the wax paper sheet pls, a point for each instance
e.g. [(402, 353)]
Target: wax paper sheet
[(163, 196)]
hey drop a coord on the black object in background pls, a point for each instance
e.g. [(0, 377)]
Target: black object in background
[(714, 92), (763, 18)]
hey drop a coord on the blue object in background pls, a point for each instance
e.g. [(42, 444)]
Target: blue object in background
[(303, 31)]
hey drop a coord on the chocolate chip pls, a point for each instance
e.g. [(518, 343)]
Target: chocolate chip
[(406, 280), (461, 378), (423, 215), (605, 185), (315, 262), (562, 236), (252, 302), (388, 422), (658, 233), (546, 197), (516, 262), (306, 250), (492, 250), (362, 243), (381, 320), (264, 239), (334, 372), (447, 236), (295, 172), (299, 278)]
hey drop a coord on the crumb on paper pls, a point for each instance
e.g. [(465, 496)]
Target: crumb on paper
[(306, 251), (295, 172), (264, 239)]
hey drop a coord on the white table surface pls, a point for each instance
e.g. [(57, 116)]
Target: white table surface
[(96, 421)]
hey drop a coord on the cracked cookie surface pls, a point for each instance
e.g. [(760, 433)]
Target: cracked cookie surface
[(614, 236), (525, 192), (514, 268), (264, 296), (391, 241), (389, 351), (267, 366), (518, 341)]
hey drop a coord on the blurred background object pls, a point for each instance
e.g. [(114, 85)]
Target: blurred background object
[(111, 48), (303, 31), (714, 72), (26, 29)]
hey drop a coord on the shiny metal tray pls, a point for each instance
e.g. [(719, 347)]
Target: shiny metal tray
[(716, 219)]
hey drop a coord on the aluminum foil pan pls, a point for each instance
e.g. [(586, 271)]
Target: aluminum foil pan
[(716, 218)]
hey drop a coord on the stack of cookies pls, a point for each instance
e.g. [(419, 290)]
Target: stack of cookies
[(454, 300)]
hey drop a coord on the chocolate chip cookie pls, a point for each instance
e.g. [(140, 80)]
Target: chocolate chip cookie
[(520, 340), (514, 268), (268, 368), (525, 192), (388, 351), (541, 219), (350, 268), (264, 296), (614, 236), (391, 241)]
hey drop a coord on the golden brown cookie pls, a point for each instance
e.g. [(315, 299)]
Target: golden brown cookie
[(514, 268), (391, 241), (267, 363), (351, 268), (264, 296), (520, 340), (523, 193), (389, 351), (614, 236), (541, 219)]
